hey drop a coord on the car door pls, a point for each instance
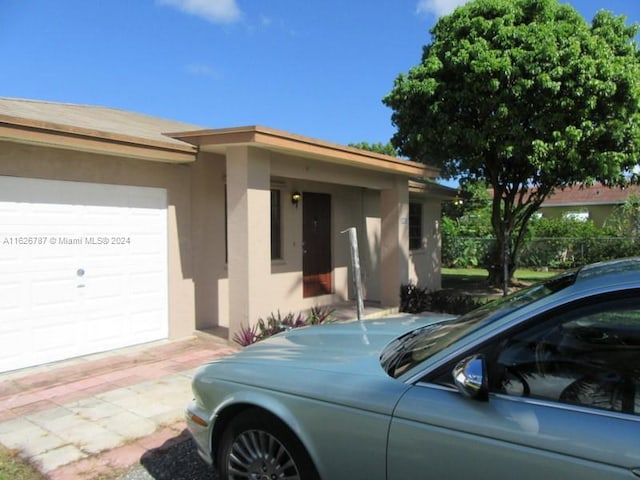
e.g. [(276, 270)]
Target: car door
[(564, 402)]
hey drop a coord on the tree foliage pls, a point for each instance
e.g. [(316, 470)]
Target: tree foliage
[(379, 147), (528, 96), (625, 219)]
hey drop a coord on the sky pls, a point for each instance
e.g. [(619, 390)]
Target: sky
[(313, 68)]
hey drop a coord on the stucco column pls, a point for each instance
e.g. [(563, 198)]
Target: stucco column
[(248, 235), (394, 248)]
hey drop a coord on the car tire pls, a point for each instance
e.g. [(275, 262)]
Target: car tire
[(255, 444)]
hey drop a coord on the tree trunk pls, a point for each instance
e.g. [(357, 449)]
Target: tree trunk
[(500, 264), (496, 273)]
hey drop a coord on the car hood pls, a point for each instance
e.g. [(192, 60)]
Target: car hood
[(338, 363), (350, 346)]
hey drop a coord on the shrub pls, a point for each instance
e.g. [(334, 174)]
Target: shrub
[(455, 303), (415, 299), (462, 247), (319, 315), (247, 335), (276, 323)]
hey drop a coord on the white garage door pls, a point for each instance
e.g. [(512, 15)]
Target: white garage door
[(83, 269)]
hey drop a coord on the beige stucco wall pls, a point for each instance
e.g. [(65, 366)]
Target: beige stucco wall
[(598, 214), (356, 199), (425, 263), (208, 240), (283, 290), (56, 164), (355, 196), (199, 290), (352, 205)]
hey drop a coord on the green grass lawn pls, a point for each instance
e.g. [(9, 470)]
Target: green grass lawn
[(476, 277), (13, 468)]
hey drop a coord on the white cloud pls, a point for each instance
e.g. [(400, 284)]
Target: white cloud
[(201, 70), (216, 11), (266, 21), (438, 7)]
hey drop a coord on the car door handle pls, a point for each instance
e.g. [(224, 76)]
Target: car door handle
[(636, 472)]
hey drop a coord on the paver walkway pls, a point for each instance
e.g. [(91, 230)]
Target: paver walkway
[(81, 416)]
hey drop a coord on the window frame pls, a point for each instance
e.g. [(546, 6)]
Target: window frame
[(276, 232), (416, 226)]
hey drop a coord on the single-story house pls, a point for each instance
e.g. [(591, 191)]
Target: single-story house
[(594, 202), (118, 228)]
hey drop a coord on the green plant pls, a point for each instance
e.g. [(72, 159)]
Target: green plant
[(456, 303), (414, 299), (276, 323), (270, 326), (318, 315), (290, 321), (12, 467)]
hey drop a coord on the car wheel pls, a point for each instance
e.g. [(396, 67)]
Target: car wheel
[(257, 446)]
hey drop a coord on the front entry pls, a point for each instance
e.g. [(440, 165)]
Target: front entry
[(316, 244)]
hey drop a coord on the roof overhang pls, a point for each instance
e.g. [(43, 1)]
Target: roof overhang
[(54, 135), (219, 140), (433, 190)]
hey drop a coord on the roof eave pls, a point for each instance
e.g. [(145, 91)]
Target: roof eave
[(47, 134), (218, 140), (433, 190)]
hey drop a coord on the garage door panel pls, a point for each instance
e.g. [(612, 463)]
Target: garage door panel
[(146, 247), (12, 349), (70, 292), (110, 287), (143, 324), (144, 282), (104, 329), (53, 334), (11, 299), (53, 294)]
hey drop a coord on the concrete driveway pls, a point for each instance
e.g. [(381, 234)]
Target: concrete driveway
[(105, 412)]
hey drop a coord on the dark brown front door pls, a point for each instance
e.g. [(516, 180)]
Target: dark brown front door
[(316, 244)]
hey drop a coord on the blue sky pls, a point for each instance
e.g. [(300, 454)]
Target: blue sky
[(315, 68)]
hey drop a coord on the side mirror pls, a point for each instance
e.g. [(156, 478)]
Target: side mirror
[(470, 377)]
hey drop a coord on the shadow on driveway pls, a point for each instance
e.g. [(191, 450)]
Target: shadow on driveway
[(176, 459)]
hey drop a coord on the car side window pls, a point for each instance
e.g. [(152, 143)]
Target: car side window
[(588, 355)]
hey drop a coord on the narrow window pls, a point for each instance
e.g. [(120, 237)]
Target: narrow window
[(415, 226), (276, 235)]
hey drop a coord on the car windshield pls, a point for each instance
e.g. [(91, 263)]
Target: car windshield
[(410, 349)]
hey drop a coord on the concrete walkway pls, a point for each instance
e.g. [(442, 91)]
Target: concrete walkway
[(79, 418)]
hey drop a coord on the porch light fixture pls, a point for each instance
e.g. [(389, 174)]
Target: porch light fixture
[(295, 198)]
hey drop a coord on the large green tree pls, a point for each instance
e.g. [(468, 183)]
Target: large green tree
[(379, 147), (528, 96)]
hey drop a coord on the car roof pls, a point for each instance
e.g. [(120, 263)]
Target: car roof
[(620, 271)]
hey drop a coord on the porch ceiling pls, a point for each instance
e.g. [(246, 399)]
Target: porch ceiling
[(218, 140)]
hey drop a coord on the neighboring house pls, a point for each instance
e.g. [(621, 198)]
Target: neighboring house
[(118, 228), (595, 203)]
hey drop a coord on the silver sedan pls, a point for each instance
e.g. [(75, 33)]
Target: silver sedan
[(541, 384)]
